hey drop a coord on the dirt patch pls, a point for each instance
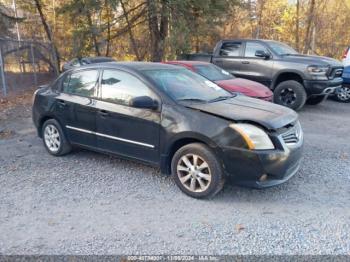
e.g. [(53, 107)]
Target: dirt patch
[(16, 105), (6, 134)]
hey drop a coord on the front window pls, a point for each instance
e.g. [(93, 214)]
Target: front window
[(252, 47), (184, 85), (281, 49), (212, 72), (120, 87)]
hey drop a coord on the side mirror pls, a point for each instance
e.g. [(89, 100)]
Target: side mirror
[(145, 102), (262, 54)]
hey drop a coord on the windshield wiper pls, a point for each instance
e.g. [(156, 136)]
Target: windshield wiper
[(220, 98)]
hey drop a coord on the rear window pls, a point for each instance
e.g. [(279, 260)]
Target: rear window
[(212, 72), (81, 83), (231, 49)]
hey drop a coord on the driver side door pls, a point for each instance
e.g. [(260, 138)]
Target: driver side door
[(122, 128)]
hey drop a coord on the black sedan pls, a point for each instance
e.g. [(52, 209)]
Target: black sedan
[(172, 118)]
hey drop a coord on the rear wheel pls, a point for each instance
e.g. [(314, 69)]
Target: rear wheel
[(315, 100), (54, 139), (290, 94), (197, 171), (343, 94)]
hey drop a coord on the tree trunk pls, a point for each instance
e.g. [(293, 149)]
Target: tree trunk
[(48, 34), (132, 39), (297, 40), (261, 11), (158, 33), (311, 13)]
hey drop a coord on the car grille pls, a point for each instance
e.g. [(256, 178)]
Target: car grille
[(293, 135), (335, 72)]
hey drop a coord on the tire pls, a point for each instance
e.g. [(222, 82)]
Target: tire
[(54, 138), (343, 94), (198, 183), (315, 100), (290, 94)]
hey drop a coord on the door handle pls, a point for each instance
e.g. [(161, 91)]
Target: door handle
[(103, 113), (245, 62)]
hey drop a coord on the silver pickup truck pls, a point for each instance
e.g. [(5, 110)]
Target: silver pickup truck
[(295, 79)]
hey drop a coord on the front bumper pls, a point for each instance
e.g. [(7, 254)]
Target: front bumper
[(246, 167), (317, 87)]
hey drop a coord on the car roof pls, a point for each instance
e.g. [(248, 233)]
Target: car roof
[(190, 63), (248, 39), (134, 66)]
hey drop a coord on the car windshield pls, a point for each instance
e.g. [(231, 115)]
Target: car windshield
[(281, 49), (185, 85), (212, 72)]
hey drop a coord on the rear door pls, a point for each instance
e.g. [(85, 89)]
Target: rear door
[(121, 128), (256, 68), (78, 103), (229, 57)]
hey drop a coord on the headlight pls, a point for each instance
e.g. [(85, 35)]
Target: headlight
[(255, 137), (317, 70)]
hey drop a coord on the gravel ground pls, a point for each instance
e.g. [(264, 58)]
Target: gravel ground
[(89, 203)]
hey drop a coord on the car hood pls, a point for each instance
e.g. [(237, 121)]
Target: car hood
[(313, 60), (243, 108), (244, 86)]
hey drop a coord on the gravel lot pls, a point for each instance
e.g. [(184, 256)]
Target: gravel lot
[(89, 203)]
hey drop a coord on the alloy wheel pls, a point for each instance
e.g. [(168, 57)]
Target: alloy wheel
[(344, 93), (52, 138), (194, 173), (288, 96)]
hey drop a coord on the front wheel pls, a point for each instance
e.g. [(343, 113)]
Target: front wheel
[(54, 139), (315, 100), (290, 94), (197, 171)]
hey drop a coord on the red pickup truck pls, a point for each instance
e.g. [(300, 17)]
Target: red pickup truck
[(226, 80)]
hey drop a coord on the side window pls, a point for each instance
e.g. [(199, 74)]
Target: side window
[(81, 83), (231, 49), (120, 87), (252, 47)]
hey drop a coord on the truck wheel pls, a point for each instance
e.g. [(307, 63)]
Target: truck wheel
[(290, 94), (315, 100), (197, 171)]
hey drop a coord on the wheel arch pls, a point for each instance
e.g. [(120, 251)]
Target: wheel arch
[(43, 119), (180, 141), (286, 75)]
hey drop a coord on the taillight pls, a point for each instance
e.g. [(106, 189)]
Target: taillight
[(346, 53)]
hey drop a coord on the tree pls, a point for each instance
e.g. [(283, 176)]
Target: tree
[(48, 33), (158, 21)]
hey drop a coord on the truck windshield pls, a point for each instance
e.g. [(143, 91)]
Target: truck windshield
[(212, 72), (185, 85), (281, 49)]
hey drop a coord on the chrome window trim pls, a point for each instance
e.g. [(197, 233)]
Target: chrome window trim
[(110, 137)]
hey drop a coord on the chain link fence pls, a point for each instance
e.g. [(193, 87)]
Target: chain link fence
[(25, 65)]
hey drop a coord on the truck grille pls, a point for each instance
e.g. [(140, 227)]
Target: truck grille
[(293, 135), (336, 72)]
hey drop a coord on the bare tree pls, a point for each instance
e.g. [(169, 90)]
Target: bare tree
[(48, 33), (297, 40), (131, 36), (158, 27), (310, 19)]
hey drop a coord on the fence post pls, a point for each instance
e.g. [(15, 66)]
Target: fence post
[(2, 72), (33, 64)]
